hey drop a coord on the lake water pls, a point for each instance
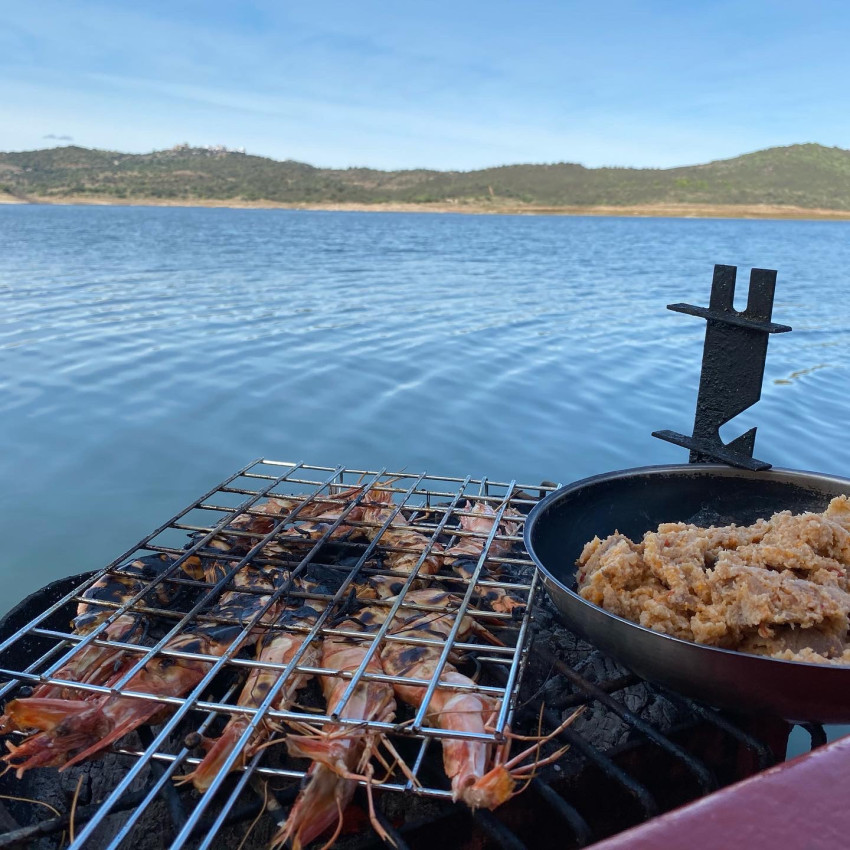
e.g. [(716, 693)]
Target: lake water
[(146, 353)]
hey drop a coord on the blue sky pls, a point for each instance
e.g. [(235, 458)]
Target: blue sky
[(440, 84)]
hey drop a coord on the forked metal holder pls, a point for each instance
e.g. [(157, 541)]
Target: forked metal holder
[(732, 367)]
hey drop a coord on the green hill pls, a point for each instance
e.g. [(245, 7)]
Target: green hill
[(809, 176)]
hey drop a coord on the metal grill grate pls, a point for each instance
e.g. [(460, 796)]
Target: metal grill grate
[(308, 530)]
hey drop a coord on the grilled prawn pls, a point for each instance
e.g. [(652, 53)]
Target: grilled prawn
[(463, 555), (481, 774), (404, 545), (340, 752), (311, 507), (314, 521), (313, 517), (298, 537), (98, 665), (90, 726), (278, 646), (465, 762)]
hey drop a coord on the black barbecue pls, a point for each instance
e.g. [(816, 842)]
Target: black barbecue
[(637, 749)]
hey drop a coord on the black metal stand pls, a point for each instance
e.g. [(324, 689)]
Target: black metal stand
[(732, 367)]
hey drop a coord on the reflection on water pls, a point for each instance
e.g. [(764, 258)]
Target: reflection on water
[(149, 352), (800, 373)]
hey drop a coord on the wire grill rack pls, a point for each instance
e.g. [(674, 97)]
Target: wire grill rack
[(233, 526)]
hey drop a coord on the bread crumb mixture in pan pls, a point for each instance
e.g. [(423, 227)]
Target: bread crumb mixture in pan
[(779, 587)]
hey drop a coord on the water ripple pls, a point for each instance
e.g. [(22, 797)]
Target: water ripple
[(148, 352)]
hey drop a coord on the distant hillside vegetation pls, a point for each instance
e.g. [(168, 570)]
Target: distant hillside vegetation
[(810, 176)]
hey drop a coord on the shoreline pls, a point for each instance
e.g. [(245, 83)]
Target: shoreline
[(728, 211)]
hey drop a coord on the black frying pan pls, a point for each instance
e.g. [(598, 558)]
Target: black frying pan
[(635, 501)]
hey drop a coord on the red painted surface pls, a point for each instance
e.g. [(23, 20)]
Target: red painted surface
[(798, 805)]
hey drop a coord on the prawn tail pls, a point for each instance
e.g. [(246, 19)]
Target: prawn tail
[(204, 774)]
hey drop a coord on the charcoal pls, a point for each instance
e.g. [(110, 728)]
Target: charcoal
[(7, 822)]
